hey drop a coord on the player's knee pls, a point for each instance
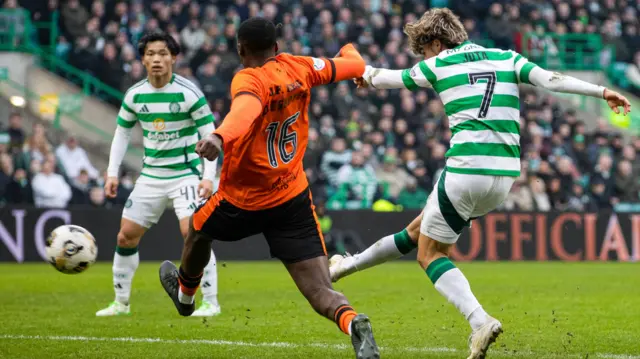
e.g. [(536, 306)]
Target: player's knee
[(127, 240)]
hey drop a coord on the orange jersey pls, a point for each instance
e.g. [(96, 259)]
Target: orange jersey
[(262, 166)]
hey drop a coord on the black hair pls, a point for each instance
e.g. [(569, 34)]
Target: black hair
[(257, 35), (158, 35)]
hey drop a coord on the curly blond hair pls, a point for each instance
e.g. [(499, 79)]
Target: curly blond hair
[(436, 24)]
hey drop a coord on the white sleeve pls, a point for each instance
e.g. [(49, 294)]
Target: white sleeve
[(209, 166), (530, 73), (420, 75), (558, 82), (119, 146), (203, 118)]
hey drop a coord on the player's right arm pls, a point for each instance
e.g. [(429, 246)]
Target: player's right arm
[(248, 95), (418, 76), (125, 122), (530, 73)]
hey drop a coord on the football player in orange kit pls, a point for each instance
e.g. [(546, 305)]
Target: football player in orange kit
[(263, 187)]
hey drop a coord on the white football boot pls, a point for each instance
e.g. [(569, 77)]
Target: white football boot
[(115, 308), (207, 309), (341, 266), (481, 339)]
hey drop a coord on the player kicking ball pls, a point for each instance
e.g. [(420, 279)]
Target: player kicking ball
[(172, 112), (479, 90), (263, 187)]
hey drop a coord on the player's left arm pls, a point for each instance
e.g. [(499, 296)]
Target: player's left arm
[(420, 75), (200, 113), (529, 73)]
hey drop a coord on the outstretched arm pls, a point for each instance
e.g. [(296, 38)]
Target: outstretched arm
[(348, 64), (530, 73), (411, 79), (558, 82)]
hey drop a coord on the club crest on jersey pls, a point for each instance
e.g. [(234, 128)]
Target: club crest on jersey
[(159, 124), (318, 64), (174, 107)]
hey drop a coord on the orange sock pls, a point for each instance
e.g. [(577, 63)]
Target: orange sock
[(343, 317)]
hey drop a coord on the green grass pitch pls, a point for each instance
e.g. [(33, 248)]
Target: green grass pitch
[(549, 310)]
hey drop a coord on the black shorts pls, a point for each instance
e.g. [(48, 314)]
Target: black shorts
[(291, 229)]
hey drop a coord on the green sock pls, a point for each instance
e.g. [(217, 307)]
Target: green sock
[(403, 242)]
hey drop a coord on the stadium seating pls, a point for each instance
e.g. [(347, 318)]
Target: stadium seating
[(398, 135)]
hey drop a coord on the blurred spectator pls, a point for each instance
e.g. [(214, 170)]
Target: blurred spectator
[(334, 159), (19, 190), (97, 197), (392, 178), (37, 147), (356, 185), (49, 188), (6, 172), (74, 159), (15, 132), (74, 18), (80, 187), (625, 183), (412, 197)]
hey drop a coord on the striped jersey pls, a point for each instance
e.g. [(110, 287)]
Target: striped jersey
[(171, 119), (479, 90)]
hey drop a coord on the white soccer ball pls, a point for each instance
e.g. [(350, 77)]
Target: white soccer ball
[(71, 249)]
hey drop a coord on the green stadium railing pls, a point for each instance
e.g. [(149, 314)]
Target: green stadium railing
[(580, 52), (17, 33)]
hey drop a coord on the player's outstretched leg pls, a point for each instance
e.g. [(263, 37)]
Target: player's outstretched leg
[(209, 306), (312, 278), (182, 284), (453, 285), (125, 263), (386, 249)]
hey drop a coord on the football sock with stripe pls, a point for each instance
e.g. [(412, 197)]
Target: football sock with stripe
[(384, 250), (343, 317), (453, 285), (210, 281), (188, 287), (125, 263)]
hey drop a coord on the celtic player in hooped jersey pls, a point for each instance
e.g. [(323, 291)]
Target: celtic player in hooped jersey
[(479, 90), (172, 112)]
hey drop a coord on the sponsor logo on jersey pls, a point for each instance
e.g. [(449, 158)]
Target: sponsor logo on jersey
[(163, 136), (144, 109), (159, 124), (318, 64)]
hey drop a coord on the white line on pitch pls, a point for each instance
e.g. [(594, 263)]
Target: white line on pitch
[(307, 345)]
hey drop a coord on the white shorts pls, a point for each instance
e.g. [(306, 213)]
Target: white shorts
[(458, 198), (150, 197)]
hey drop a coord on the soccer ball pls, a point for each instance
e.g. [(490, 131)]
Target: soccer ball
[(71, 249)]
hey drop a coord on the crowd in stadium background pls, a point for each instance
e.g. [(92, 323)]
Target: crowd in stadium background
[(366, 147)]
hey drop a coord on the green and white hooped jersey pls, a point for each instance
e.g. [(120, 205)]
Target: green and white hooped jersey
[(171, 118), (479, 90)]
